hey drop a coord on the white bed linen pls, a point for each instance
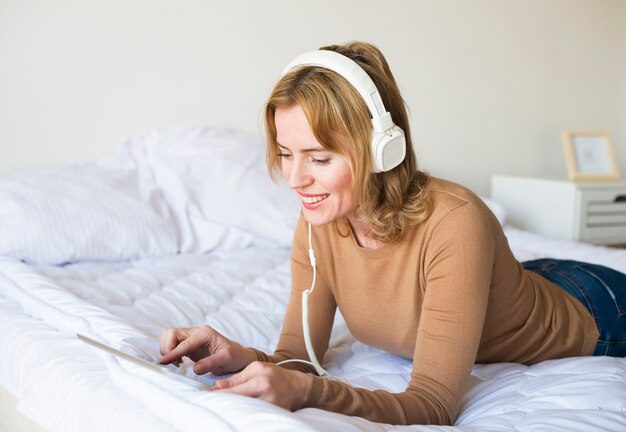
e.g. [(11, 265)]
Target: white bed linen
[(65, 385), (188, 190), (205, 190)]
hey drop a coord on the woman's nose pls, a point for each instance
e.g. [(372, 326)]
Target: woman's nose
[(298, 175)]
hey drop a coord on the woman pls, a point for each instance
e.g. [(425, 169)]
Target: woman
[(417, 265)]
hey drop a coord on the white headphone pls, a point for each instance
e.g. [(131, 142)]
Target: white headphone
[(388, 141)]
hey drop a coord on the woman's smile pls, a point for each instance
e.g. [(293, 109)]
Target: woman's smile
[(312, 201)]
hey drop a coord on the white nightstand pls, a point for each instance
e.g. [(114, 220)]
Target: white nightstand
[(589, 212)]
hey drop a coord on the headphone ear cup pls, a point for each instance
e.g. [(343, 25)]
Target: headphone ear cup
[(388, 150)]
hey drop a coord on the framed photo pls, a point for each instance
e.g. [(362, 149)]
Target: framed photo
[(590, 156)]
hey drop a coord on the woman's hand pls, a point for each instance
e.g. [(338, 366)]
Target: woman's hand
[(279, 386), (210, 351)]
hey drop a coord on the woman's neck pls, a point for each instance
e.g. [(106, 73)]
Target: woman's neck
[(361, 231)]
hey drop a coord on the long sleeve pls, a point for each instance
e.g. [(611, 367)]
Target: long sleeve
[(458, 265), (450, 293)]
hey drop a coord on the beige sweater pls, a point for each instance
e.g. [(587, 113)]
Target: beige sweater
[(448, 295)]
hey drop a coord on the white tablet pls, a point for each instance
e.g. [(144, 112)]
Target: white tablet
[(145, 363)]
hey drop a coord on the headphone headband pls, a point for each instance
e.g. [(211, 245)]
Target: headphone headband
[(388, 140), (355, 75)]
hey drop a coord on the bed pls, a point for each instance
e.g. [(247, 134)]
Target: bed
[(181, 228)]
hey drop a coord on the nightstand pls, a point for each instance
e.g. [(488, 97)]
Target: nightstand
[(587, 212)]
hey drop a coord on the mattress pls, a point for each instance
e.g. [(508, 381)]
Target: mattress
[(236, 279)]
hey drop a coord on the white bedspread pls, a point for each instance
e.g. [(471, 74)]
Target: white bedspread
[(184, 228), (66, 385)]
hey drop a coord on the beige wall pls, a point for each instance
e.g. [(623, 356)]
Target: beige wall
[(490, 83)]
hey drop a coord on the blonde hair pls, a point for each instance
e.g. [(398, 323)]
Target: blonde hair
[(387, 201)]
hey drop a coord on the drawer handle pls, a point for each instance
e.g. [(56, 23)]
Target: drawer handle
[(620, 198)]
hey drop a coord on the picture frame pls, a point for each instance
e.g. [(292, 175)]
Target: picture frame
[(590, 156)]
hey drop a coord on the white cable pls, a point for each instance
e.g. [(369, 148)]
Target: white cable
[(296, 361), (305, 320)]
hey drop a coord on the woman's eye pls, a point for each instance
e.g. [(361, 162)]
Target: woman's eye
[(287, 156)]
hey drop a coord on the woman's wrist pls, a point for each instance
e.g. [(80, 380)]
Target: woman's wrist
[(307, 386), (251, 356)]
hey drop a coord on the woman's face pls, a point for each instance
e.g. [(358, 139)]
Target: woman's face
[(321, 178)]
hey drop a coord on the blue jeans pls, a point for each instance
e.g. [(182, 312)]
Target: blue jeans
[(601, 289)]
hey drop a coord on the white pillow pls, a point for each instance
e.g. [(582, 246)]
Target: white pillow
[(82, 212), (218, 187)]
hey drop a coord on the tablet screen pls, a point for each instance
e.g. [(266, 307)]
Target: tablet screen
[(144, 363)]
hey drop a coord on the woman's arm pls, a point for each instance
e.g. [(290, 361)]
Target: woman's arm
[(457, 270)]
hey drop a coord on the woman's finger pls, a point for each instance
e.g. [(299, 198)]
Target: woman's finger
[(171, 337), (195, 340)]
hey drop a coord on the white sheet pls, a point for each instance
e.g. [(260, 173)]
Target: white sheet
[(206, 190), (67, 386)]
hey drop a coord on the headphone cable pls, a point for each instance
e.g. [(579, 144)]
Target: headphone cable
[(305, 320)]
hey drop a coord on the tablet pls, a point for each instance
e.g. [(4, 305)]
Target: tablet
[(154, 367)]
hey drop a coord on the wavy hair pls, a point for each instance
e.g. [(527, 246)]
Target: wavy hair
[(339, 117)]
